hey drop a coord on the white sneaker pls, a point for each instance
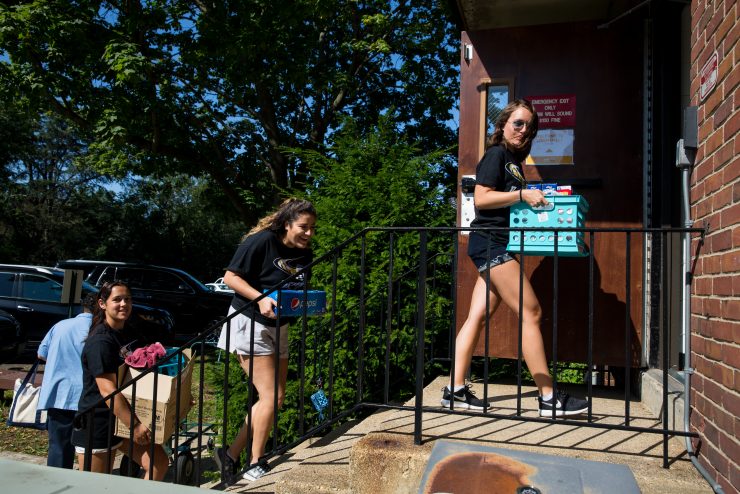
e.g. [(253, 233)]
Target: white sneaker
[(256, 471)]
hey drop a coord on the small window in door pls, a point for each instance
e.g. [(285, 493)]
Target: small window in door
[(6, 284), (35, 287), (497, 97), (166, 282), (134, 278)]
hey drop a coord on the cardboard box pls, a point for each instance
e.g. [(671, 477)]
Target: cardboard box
[(166, 422)]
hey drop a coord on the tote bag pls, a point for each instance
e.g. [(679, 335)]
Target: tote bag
[(24, 409)]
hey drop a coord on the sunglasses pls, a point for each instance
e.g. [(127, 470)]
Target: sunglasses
[(520, 124)]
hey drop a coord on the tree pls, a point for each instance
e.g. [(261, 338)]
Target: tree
[(220, 88), (49, 205), (53, 208), (175, 221), (380, 179)]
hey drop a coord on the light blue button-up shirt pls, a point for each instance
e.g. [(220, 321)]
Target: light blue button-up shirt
[(62, 347)]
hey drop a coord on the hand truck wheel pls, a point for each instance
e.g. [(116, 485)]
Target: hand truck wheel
[(184, 468)]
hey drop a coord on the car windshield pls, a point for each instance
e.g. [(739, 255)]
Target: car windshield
[(195, 280)]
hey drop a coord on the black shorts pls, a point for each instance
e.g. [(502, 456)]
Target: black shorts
[(485, 253), (103, 427)]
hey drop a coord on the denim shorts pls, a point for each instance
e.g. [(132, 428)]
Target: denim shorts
[(486, 254)]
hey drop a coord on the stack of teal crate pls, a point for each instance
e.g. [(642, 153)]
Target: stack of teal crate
[(562, 212)]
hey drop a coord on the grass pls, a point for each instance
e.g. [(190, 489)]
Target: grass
[(209, 397), (20, 439)]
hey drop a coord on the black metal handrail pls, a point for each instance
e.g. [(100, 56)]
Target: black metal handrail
[(402, 315)]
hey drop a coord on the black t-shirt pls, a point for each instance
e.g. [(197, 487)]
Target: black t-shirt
[(499, 170), (263, 261), (103, 353)]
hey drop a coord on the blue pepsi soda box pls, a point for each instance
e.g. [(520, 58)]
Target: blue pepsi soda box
[(291, 302)]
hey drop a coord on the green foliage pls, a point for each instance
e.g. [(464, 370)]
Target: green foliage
[(204, 104), (219, 89), (52, 206), (48, 201), (176, 221), (238, 393), (379, 179), (370, 179), (500, 368)]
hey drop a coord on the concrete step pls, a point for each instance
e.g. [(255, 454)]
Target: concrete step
[(378, 455)]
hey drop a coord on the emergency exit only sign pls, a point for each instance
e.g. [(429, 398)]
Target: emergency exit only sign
[(708, 76)]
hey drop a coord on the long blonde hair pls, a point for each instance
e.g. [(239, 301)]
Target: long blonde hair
[(288, 211)]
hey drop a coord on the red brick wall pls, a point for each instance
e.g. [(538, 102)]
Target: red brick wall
[(715, 196)]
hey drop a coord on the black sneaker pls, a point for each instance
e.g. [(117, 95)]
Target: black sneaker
[(225, 464), (256, 471), (464, 399), (564, 405)]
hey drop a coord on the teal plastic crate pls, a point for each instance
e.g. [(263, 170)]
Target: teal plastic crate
[(562, 212), (170, 368)]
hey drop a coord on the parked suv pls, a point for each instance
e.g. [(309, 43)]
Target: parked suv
[(11, 337), (32, 295), (192, 305)]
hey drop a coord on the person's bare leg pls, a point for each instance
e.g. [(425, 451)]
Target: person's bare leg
[(142, 457), (98, 462), (242, 437), (467, 338), (263, 409), (240, 441), (505, 278)]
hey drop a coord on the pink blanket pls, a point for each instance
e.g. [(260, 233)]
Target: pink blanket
[(143, 358)]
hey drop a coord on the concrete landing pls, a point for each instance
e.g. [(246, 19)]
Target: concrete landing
[(378, 456)]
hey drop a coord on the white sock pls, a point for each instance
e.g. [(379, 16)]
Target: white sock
[(547, 397), (457, 388)]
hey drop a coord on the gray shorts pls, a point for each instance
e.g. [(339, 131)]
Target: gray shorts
[(265, 337)]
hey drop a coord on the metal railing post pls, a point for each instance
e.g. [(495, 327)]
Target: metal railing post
[(361, 329), (389, 320), (420, 322), (627, 334)]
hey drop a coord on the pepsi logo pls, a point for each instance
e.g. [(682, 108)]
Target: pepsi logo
[(295, 303)]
